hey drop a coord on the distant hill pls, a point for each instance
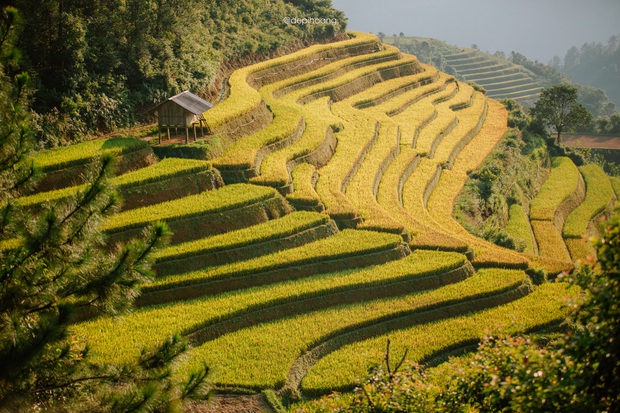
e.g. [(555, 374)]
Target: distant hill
[(500, 77), (596, 65), (514, 76)]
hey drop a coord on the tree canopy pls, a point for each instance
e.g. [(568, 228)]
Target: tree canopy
[(558, 108), (99, 65), (596, 64)]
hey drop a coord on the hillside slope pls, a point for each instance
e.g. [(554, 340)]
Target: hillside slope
[(334, 228), (101, 65), (500, 77)]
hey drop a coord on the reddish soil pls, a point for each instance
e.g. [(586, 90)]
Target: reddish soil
[(591, 141)]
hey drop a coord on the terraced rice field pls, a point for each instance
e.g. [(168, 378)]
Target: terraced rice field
[(332, 229), (501, 79)]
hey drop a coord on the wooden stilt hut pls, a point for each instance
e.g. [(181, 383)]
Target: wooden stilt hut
[(184, 110)]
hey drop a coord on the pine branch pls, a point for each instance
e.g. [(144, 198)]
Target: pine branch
[(73, 382), (96, 188)]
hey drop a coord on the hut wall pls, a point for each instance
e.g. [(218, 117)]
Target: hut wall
[(172, 115)]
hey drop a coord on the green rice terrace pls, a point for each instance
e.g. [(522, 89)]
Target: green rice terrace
[(325, 226)]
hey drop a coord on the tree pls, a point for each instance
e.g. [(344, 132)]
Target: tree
[(381, 36), (52, 264), (558, 107)]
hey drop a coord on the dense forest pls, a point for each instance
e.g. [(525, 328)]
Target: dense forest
[(100, 65), (595, 64)]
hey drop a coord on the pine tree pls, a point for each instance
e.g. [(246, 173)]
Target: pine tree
[(53, 264)]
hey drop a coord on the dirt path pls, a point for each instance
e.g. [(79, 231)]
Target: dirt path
[(591, 141), (232, 403)]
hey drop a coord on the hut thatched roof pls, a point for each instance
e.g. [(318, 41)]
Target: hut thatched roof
[(187, 100)]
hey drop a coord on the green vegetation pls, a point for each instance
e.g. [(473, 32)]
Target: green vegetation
[(98, 65), (274, 229), (85, 152), (518, 227), (339, 369), (60, 267), (595, 64), (558, 107), (228, 197), (598, 196), (250, 358), (141, 327), (343, 245), (511, 175), (560, 184)]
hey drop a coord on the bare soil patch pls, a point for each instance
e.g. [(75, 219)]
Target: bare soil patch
[(591, 141), (230, 403)]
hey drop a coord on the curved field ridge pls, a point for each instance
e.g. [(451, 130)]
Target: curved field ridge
[(561, 193), (335, 228), (599, 201), (561, 183), (500, 78), (292, 230), (243, 96), (229, 197), (263, 353), (135, 330), (518, 227), (84, 152), (338, 370), (345, 244), (131, 182), (599, 194)]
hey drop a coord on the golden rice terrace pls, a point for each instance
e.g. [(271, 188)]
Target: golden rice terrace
[(326, 227)]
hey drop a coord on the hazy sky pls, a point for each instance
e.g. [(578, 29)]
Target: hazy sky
[(540, 29)]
